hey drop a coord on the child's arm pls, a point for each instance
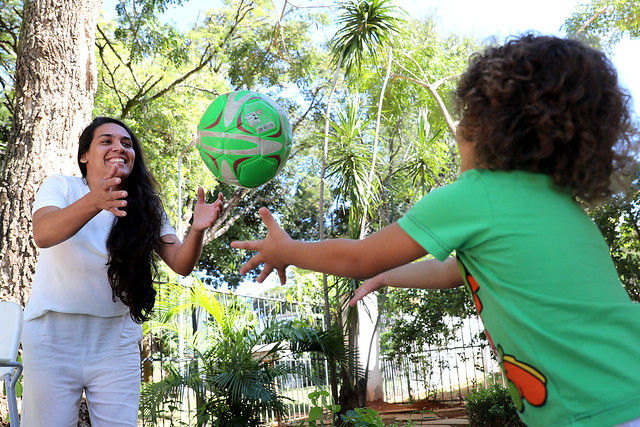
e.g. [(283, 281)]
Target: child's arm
[(428, 274), (381, 251)]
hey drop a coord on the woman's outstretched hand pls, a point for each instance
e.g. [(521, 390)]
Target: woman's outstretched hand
[(271, 250), (206, 214), (369, 285)]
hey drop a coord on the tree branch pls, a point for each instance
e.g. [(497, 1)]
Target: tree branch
[(590, 21)]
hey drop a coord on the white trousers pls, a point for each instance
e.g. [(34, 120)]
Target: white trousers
[(66, 354)]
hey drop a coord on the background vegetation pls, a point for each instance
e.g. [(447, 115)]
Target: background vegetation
[(371, 125)]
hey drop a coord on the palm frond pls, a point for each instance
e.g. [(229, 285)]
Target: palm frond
[(366, 26), (428, 159)]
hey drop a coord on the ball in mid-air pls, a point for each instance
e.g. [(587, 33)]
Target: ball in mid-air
[(244, 138)]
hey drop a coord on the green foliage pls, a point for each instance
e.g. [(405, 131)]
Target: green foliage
[(5, 129), (161, 93), (492, 407), (144, 35), (619, 223), (603, 23), (239, 384), (424, 166), (322, 407), (363, 417), (349, 163), (365, 26), (10, 20), (419, 319), (273, 54), (232, 371)]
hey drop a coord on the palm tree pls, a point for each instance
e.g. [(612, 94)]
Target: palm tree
[(349, 166), (425, 162), (365, 26), (233, 371)]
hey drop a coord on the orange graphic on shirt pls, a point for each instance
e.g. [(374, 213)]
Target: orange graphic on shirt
[(525, 382), (472, 283), (474, 291)]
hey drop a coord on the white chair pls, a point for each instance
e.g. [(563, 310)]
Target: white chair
[(11, 321)]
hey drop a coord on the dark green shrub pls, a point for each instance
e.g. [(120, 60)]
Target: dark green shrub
[(492, 407)]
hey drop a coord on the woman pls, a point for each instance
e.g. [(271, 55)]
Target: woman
[(93, 285)]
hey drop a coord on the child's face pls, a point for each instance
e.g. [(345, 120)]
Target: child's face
[(465, 148)]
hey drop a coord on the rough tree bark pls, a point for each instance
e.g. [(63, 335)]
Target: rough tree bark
[(55, 82)]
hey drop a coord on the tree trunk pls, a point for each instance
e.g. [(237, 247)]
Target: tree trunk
[(55, 82)]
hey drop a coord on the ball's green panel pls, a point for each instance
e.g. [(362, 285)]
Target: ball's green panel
[(244, 138), (256, 171)]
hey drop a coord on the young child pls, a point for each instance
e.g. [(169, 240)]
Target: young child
[(543, 123)]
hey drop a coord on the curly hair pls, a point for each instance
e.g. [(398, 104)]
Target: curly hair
[(547, 105), (133, 239)]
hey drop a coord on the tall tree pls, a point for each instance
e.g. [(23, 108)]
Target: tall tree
[(10, 19), (161, 88), (603, 23), (55, 81), (364, 25)]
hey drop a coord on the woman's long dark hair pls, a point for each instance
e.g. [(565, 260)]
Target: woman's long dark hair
[(134, 238)]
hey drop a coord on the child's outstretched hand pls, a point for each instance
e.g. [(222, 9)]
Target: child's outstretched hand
[(369, 285), (271, 250)]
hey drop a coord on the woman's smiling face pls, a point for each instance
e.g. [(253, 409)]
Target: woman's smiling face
[(111, 146)]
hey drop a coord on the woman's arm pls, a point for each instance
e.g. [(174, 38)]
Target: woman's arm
[(181, 257), (381, 251), (428, 274), (53, 225)]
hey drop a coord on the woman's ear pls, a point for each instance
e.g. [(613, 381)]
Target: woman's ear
[(83, 158)]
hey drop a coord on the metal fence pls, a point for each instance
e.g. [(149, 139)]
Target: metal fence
[(296, 388), (444, 374)]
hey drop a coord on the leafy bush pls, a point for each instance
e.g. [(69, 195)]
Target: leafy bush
[(321, 402), (232, 371), (368, 417), (363, 417), (492, 407)]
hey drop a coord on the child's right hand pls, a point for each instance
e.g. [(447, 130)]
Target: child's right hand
[(369, 285), (271, 250)]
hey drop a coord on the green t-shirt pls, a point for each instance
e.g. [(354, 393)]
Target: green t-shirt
[(557, 316)]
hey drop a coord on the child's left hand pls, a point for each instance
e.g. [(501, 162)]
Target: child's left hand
[(369, 286), (206, 214)]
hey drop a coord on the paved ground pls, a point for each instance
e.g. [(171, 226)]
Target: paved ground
[(447, 416), (423, 413)]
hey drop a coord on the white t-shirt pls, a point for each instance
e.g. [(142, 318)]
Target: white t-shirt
[(71, 277)]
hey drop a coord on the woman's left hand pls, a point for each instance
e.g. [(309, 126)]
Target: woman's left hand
[(206, 214)]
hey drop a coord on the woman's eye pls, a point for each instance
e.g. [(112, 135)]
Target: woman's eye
[(127, 144)]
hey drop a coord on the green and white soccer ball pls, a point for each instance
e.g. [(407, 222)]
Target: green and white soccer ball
[(244, 138)]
